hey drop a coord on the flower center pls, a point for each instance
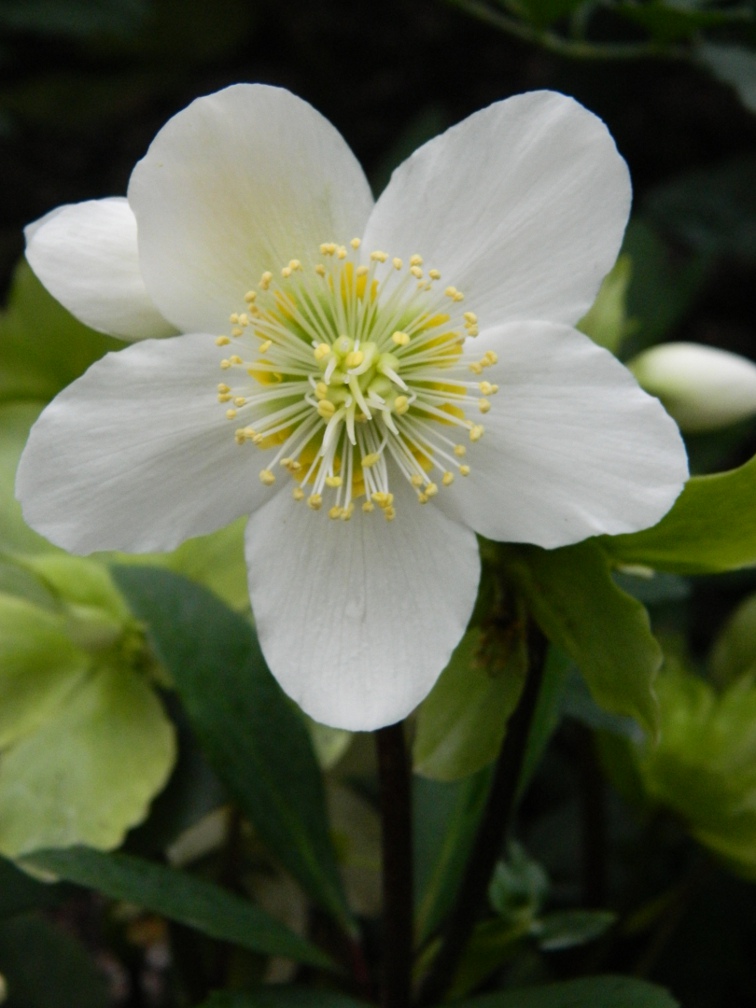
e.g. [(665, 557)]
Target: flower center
[(350, 374)]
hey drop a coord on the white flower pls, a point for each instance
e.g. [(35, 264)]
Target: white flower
[(379, 357), (704, 388)]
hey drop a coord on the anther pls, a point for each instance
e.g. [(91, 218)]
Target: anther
[(222, 340), (476, 432), (484, 405), (416, 260), (315, 501), (400, 338), (416, 272), (370, 460), (321, 350), (379, 256), (448, 478), (464, 470), (354, 358), (434, 274), (333, 481), (297, 493), (401, 405), (355, 243), (397, 263), (230, 414), (267, 477), (240, 401), (265, 280), (326, 409)]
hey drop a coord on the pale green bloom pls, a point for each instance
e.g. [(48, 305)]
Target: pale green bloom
[(703, 388)]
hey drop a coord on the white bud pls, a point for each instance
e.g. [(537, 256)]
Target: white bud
[(701, 387)]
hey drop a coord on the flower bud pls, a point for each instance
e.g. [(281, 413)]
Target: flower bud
[(701, 387)]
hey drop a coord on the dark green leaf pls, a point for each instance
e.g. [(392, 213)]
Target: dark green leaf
[(710, 528), (253, 737), (606, 632), (670, 21), (20, 892), (180, 897), (446, 818), (587, 992), (733, 65), (542, 13), (44, 967)]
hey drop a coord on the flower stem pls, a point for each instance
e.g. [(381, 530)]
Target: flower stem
[(396, 844), (494, 826)]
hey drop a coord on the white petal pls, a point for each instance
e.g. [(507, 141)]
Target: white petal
[(137, 454), (357, 619), (86, 256), (572, 446), (522, 207), (240, 182)]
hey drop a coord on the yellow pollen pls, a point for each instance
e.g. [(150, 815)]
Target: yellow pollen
[(416, 272), (321, 350), (230, 414), (448, 478), (368, 506), (490, 357), (321, 390), (476, 367), (389, 513), (416, 480), (362, 271), (335, 512), (487, 388), (237, 331), (400, 338), (334, 481), (315, 501), (233, 319), (379, 256), (295, 264), (464, 470), (250, 296), (265, 280), (341, 252), (222, 340), (484, 405), (459, 450), (320, 270), (422, 498), (401, 405), (297, 493), (235, 359), (416, 260), (240, 401), (326, 409), (434, 274), (454, 294), (431, 490), (267, 477), (264, 347), (328, 248), (223, 388), (476, 432), (370, 460), (355, 243), (286, 272), (397, 263), (470, 317), (354, 358)]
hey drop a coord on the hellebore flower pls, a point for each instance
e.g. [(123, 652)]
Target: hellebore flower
[(372, 383)]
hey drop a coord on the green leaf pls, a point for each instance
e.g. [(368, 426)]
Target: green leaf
[(565, 929), (44, 347), (445, 822), (710, 528), (39, 667), (732, 65), (587, 992), (680, 19), (87, 774), (253, 737), (16, 419), (606, 320), (518, 888), (46, 968), (461, 724), (282, 997), (543, 13), (180, 897), (605, 631)]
